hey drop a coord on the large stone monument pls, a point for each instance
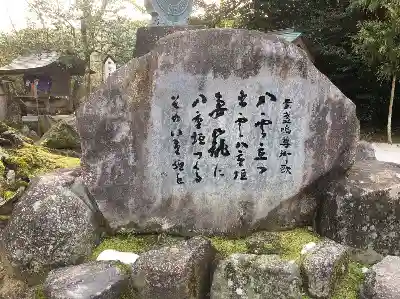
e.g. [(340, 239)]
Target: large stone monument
[(214, 131), (167, 16)]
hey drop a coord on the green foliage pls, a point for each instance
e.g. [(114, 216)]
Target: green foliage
[(378, 40), (225, 14), (378, 43), (118, 38), (328, 28), (33, 40), (84, 28)]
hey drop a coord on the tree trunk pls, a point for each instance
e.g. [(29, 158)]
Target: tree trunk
[(389, 124), (89, 79), (85, 43)]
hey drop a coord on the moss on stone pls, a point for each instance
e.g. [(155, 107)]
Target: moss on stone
[(32, 160), (8, 194), (129, 292), (2, 168), (39, 292), (133, 243), (226, 247), (292, 242), (4, 217), (8, 191), (348, 286), (287, 244), (61, 136), (124, 268), (4, 127)]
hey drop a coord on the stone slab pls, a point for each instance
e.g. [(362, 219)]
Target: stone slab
[(362, 209), (215, 131)]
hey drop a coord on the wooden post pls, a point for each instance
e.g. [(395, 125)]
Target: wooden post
[(47, 104), (35, 95)]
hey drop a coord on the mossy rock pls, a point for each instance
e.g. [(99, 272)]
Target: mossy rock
[(28, 162), (8, 194), (286, 244), (62, 135), (32, 160), (348, 286), (135, 243), (10, 131)]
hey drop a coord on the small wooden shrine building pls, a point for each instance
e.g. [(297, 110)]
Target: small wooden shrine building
[(47, 88)]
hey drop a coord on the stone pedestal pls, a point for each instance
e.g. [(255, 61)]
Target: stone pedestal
[(146, 37)]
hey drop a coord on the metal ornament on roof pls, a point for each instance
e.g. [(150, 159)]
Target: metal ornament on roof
[(169, 12)]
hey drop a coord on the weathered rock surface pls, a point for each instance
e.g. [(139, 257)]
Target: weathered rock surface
[(365, 151), (54, 224), (181, 271), (362, 209), (11, 288), (365, 256), (322, 266), (383, 280), (195, 137), (62, 135), (94, 280), (256, 276)]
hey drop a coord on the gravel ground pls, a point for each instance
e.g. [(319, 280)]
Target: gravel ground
[(387, 152)]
